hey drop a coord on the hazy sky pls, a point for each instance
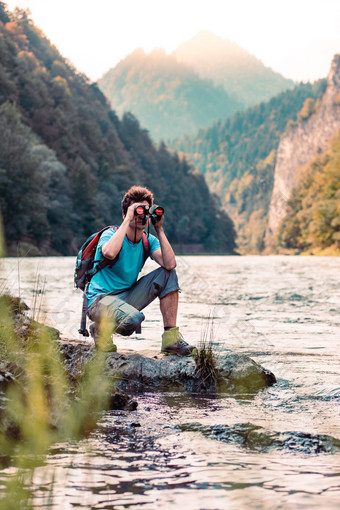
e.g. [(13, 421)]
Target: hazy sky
[(297, 38)]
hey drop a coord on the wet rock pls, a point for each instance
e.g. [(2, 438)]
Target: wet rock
[(119, 400), (258, 438), (240, 374), (75, 355), (6, 376), (10, 374), (148, 370)]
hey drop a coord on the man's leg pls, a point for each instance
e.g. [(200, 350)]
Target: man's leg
[(115, 311), (101, 328), (164, 284), (158, 283), (169, 308)]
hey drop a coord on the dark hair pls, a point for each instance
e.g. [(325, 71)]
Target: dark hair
[(136, 194)]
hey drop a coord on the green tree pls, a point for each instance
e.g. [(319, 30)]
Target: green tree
[(22, 184)]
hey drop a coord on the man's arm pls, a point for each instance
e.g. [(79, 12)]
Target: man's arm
[(113, 246), (164, 256)]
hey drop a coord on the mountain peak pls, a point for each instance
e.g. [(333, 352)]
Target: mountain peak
[(240, 73), (206, 46)]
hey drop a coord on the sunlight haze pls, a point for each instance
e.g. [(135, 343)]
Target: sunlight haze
[(295, 38)]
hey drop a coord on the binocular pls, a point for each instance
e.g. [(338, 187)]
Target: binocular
[(155, 212)]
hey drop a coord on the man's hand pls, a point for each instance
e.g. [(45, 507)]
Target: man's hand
[(130, 213), (159, 223), (164, 256)]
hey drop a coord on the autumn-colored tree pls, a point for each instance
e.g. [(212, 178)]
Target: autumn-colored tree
[(313, 215)]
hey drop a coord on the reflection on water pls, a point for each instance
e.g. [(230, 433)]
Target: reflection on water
[(276, 449)]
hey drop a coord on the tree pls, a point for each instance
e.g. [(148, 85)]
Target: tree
[(4, 15), (22, 184)]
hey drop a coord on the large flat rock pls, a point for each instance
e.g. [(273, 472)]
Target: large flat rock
[(149, 370)]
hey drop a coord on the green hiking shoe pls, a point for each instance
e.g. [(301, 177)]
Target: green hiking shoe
[(102, 344), (174, 343)]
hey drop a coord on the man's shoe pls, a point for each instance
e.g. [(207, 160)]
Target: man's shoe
[(174, 343), (102, 344)]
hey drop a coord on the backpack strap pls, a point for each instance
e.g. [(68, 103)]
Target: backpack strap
[(146, 247), (88, 249), (83, 331), (104, 262)]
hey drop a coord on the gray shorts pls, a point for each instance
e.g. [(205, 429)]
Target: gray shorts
[(124, 307)]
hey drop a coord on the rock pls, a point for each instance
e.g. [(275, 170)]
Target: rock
[(76, 354), (14, 304), (303, 141), (150, 370), (259, 438), (6, 376), (240, 374), (121, 400)]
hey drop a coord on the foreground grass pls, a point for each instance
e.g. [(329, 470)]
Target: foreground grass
[(43, 405)]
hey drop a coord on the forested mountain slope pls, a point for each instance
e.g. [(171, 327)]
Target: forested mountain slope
[(238, 156), (168, 97), (66, 159)]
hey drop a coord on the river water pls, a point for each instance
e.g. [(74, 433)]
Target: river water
[(278, 449)]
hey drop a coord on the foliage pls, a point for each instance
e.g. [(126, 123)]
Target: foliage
[(337, 100), (21, 180), (313, 214), (4, 16), (168, 97), (67, 159), (307, 110), (43, 405), (238, 156), (206, 360)]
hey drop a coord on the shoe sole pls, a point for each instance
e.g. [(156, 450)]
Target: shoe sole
[(191, 355)]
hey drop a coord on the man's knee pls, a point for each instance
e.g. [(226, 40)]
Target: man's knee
[(127, 324), (170, 283), (124, 318), (127, 319)]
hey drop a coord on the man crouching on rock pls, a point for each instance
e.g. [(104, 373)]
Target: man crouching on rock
[(114, 293)]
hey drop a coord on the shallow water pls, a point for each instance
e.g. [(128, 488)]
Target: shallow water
[(277, 449)]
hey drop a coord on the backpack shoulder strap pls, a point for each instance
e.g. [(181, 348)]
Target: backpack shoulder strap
[(146, 247), (92, 243), (106, 262)]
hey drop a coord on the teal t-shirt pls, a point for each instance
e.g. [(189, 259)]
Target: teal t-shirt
[(125, 271)]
